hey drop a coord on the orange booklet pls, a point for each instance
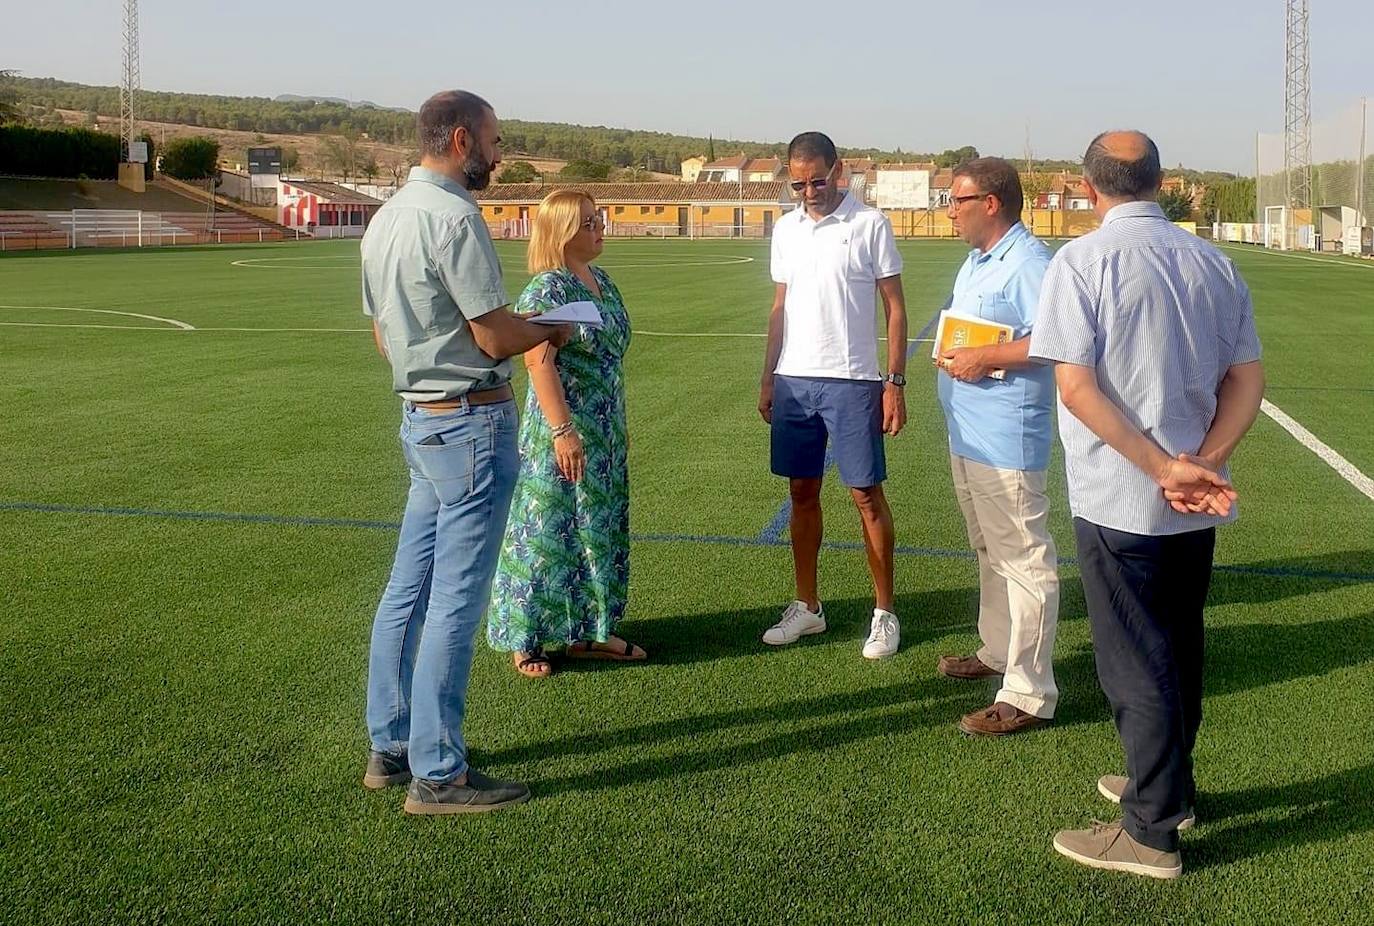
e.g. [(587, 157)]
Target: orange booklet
[(957, 330)]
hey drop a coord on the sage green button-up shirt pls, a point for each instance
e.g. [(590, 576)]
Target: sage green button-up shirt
[(428, 268)]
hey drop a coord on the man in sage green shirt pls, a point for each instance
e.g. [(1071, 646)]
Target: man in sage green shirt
[(433, 288)]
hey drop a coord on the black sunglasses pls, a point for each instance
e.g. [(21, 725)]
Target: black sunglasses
[(818, 184)]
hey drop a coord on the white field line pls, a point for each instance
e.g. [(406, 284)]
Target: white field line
[(728, 262), (163, 328), (102, 327), (1347, 470), (1291, 256), (184, 326), (336, 261), (321, 262), (637, 332), (303, 330)]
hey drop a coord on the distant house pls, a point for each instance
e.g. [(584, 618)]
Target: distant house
[(1050, 194), (941, 182), (691, 168), (662, 210), (1062, 191), (1194, 191), (763, 170), (724, 170), (1075, 194)]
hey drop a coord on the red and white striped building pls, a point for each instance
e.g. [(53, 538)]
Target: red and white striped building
[(324, 209)]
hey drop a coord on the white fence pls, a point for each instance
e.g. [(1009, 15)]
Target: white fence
[(86, 228), (1238, 232)]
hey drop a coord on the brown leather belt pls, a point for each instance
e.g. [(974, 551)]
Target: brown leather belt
[(485, 397)]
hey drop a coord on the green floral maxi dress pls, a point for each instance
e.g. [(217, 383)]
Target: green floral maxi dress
[(564, 570)]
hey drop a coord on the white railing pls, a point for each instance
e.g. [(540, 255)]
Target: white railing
[(80, 228)]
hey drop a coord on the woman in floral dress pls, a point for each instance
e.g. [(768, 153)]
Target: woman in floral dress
[(563, 574)]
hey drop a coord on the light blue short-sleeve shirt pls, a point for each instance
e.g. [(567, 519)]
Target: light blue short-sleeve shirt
[(1002, 423), (428, 267), (1160, 315)]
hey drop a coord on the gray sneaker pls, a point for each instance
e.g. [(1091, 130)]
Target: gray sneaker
[(1112, 786), (479, 795), (1109, 846), (385, 769)]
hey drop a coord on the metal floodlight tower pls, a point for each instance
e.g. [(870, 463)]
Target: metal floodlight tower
[(1297, 109), (130, 84)]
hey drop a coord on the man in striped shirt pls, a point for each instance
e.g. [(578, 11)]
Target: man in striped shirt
[(1159, 377)]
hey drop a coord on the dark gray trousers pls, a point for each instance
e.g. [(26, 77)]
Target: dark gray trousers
[(1145, 599)]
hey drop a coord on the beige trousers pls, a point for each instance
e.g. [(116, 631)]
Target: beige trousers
[(1006, 512)]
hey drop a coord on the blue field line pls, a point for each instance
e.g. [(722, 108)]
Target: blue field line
[(845, 545), (1277, 572), (288, 520), (772, 533)]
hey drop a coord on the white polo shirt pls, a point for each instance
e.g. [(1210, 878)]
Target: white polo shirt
[(831, 269)]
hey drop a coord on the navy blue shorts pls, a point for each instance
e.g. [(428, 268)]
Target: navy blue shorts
[(849, 412)]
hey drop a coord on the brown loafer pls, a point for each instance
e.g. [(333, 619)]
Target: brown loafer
[(1001, 719), (965, 667)]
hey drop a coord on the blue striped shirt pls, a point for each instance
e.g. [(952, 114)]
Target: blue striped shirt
[(1161, 315)]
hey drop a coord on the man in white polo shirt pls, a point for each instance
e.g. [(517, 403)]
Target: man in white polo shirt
[(821, 380)]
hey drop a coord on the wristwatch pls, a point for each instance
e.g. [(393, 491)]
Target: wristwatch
[(896, 379)]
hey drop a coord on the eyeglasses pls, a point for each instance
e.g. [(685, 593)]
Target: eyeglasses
[(595, 223), (960, 200), (819, 183)]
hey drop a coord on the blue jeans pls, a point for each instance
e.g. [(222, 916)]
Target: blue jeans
[(463, 466)]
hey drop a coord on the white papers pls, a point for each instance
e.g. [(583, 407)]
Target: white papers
[(578, 313)]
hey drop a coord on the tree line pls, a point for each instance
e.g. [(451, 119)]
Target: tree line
[(597, 152), (621, 148)]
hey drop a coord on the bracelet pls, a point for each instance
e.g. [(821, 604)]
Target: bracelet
[(563, 429)]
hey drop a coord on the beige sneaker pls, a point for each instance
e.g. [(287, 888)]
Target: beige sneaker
[(1112, 786), (1109, 846)]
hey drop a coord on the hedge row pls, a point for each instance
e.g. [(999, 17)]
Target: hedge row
[(58, 153)]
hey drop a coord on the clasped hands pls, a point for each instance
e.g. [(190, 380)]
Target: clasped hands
[(1194, 485)]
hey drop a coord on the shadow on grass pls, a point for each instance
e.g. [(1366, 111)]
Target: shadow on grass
[(1299, 813), (1279, 579), (928, 702), (783, 712), (1246, 656), (1240, 657), (925, 615)]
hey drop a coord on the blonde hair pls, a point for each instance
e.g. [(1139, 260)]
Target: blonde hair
[(559, 219)]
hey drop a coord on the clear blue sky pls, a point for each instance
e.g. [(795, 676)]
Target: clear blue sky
[(1201, 77)]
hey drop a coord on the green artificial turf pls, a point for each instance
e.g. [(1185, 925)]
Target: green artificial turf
[(197, 525)]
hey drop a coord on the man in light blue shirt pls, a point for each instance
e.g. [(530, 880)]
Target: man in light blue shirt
[(997, 408), (1159, 377)]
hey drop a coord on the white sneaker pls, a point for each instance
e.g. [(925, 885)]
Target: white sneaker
[(797, 621), (884, 635)]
